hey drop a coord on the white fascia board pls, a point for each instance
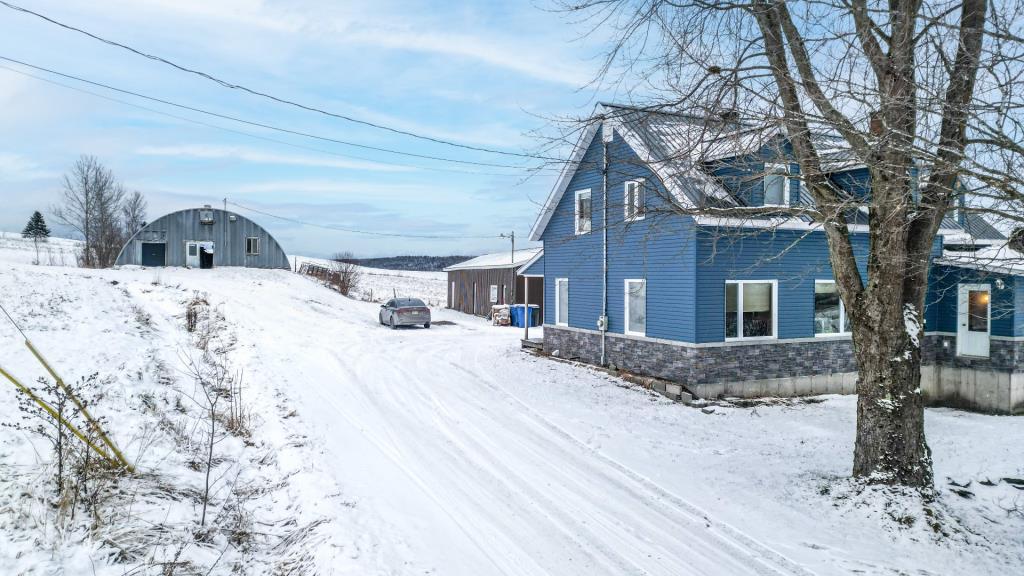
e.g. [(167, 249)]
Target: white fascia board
[(568, 171)]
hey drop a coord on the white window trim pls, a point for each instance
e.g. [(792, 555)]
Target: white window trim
[(843, 328), (739, 310), (625, 316), (493, 295), (772, 168), (558, 307), (257, 242), (626, 205), (576, 211)]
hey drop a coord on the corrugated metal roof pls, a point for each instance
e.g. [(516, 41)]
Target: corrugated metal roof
[(506, 259)]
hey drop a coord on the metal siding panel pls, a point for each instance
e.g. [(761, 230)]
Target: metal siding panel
[(229, 239)]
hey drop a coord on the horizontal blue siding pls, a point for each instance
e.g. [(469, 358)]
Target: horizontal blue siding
[(793, 258), (943, 288), (659, 248)]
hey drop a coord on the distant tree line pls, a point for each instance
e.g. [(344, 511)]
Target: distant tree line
[(99, 208), (416, 263)]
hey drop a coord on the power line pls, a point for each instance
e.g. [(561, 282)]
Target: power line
[(254, 92), (260, 124), (247, 134), (366, 232)]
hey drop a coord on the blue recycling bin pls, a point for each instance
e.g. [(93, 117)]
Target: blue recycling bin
[(519, 316)]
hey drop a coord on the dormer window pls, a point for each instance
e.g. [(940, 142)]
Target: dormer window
[(776, 184), (635, 200), (206, 216)]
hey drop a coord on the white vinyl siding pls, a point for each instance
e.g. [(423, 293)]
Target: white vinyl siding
[(584, 213), (636, 307), (751, 309), (776, 184), (829, 310), (634, 200), (562, 301)]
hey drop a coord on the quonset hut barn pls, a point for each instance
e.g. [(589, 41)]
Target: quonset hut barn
[(203, 238)]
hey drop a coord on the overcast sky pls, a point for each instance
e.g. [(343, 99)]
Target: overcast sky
[(478, 73)]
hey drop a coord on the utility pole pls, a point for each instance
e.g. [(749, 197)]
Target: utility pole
[(512, 235)]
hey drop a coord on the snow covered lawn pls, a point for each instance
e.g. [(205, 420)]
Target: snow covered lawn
[(450, 451)]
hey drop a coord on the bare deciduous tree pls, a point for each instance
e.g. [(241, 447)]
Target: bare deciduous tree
[(133, 213), (91, 206), (926, 96)]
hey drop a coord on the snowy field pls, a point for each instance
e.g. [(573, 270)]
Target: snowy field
[(378, 285), (51, 252), (449, 451)]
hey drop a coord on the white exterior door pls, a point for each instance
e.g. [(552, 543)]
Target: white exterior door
[(974, 319), (192, 254)]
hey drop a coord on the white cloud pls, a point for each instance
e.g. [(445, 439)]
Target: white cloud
[(18, 168), (216, 152)]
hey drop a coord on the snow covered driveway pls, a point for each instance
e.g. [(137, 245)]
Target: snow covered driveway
[(419, 424), (449, 451)]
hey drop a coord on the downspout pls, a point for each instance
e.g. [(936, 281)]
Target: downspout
[(602, 322)]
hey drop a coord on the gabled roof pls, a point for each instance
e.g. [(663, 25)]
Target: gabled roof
[(665, 141), (676, 147), (504, 259)]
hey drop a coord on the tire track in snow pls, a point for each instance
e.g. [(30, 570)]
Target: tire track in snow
[(729, 533)]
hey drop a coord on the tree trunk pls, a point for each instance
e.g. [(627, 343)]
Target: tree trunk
[(890, 446)]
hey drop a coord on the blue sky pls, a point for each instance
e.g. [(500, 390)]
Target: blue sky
[(479, 73)]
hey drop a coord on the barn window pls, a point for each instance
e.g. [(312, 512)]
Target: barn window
[(252, 246), (494, 293), (206, 216)]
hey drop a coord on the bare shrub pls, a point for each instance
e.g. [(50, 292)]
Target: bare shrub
[(344, 274)]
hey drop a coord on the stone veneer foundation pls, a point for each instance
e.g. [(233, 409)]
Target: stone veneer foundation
[(802, 366)]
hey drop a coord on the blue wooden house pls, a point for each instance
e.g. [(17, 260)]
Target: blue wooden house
[(747, 307)]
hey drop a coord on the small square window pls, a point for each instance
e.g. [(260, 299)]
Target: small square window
[(206, 216), (252, 246)]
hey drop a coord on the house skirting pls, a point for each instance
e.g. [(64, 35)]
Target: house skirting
[(801, 367)]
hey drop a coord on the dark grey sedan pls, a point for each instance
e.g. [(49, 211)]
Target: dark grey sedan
[(404, 312)]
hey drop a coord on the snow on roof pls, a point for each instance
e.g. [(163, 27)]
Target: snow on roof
[(999, 258), (504, 259)]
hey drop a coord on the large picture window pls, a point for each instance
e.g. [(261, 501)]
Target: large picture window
[(636, 307), (750, 309), (776, 185), (584, 212), (562, 301), (829, 310)]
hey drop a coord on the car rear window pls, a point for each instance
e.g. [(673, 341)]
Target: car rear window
[(403, 302)]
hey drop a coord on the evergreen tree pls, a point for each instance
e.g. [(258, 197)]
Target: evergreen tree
[(36, 227)]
